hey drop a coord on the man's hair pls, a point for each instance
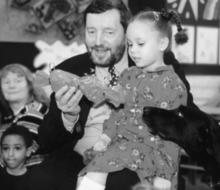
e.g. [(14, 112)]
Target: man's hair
[(21, 131), (100, 6)]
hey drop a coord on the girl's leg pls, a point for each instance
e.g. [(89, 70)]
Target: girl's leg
[(98, 177), (79, 181), (93, 181)]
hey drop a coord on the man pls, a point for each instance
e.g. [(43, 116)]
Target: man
[(71, 116)]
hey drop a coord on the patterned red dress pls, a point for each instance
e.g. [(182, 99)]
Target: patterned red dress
[(132, 145)]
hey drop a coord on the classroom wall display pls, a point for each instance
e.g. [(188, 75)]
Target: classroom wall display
[(48, 20), (201, 18), (195, 10)]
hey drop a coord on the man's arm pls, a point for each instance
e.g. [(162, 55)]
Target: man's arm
[(52, 132)]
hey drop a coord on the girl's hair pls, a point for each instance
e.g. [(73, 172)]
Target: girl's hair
[(161, 21), (35, 93), (21, 131)]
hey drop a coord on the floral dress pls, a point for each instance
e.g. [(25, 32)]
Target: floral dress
[(132, 145)]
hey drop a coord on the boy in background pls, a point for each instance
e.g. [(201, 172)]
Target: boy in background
[(16, 146)]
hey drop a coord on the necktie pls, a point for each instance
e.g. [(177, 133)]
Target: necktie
[(114, 77)]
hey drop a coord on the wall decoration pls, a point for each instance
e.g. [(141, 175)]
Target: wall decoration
[(50, 12), (187, 9), (207, 45), (185, 53), (194, 10), (48, 20), (71, 26), (55, 53), (210, 9)]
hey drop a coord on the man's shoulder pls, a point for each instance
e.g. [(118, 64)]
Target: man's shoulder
[(78, 64), (169, 59)]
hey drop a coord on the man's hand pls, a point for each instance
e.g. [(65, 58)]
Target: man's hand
[(162, 184), (68, 102)]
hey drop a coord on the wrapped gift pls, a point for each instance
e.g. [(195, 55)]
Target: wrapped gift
[(57, 79), (92, 88)]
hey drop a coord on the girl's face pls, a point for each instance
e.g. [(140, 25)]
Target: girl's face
[(14, 152), (15, 88), (144, 44)]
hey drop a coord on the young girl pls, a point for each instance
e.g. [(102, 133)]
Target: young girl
[(126, 141)]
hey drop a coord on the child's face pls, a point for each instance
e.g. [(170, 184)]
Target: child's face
[(15, 88), (14, 151), (144, 44)]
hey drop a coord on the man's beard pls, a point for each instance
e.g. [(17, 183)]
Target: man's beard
[(111, 60)]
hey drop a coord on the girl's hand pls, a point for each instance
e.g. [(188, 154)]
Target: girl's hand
[(100, 145), (162, 184)]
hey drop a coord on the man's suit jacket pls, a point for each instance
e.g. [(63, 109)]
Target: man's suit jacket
[(52, 132)]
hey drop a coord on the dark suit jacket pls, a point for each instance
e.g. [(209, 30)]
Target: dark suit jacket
[(52, 132)]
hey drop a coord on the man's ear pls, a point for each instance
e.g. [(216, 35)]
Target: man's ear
[(164, 42), (29, 150)]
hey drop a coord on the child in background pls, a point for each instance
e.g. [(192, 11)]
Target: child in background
[(126, 141), (16, 146)]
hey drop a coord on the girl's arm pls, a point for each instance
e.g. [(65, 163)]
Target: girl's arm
[(109, 131)]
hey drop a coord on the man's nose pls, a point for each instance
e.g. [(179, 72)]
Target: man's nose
[(99, 39)]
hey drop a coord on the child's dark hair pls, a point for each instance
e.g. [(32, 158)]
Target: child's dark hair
[(21, 131), (161, 21)]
